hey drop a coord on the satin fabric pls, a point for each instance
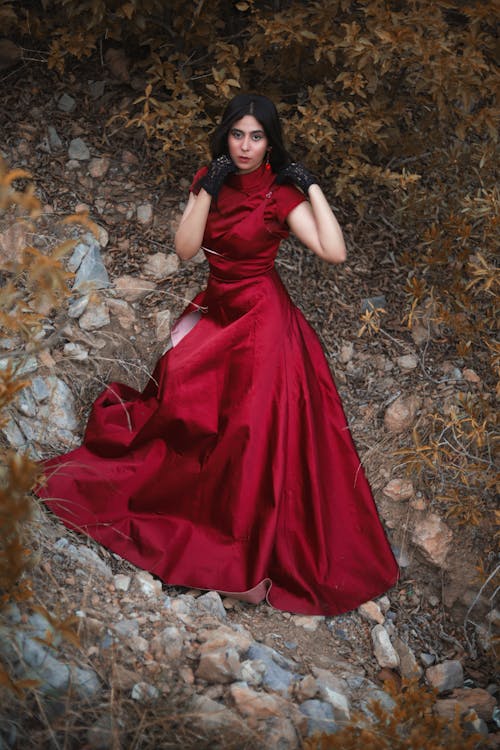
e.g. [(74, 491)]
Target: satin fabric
[(234, 469)]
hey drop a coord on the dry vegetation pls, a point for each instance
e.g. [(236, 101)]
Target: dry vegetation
[(394, 104)]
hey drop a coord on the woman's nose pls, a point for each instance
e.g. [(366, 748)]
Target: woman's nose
[(246, 144)]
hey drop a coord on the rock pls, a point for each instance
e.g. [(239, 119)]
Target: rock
[(278, 674), (310, 624), (399, 489), (26, 402), (465, 700), (40, 389), (103, 236), (346, 352), (98, 167), (124, 313), (214, 715), (427, 659), (79, 252), (251, 672), (378, 302), (320, 717), (78, 305), (224, 635), (376, 695), (161, 265), (92, 273), (162, 324), (250, 703), (75, 351), (148, 585), (400, 415), (169, 643), (371, 611), (13, 434), (470, 375), (407, 362), (445, 676), (144, 692), (90, 559), (95, 316), (401, 556), (384, 651), (55, 142), (78, 150), (96, 89), (127, 628), (219, 666), (433, 537), (132, 288), (212, 603), (409, 666), (145, 214), (13, 240), (306, 689), (122, 582), (66, 103), (332, 689)]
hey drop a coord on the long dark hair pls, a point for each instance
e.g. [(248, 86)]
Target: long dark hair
[(265, 112)]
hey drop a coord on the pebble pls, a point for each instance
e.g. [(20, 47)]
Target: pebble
[(78, 151), (145, 214), (161, 265), (122, 582), (433, 538), (371, 611), (399, 489), (66, 103), (54, 140), (407, 362), (445, 676), (320, 717), (385, 653), (400, 415), (98, 167), (95, 316)]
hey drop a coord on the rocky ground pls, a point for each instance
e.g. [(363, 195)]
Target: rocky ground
[(185, 666)]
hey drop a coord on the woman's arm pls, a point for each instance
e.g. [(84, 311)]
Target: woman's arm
[(315, 225), (189, 235)]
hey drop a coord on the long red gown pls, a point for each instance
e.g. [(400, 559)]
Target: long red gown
[(234, 470)]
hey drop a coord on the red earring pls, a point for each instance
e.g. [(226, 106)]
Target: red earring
[(268, 166)]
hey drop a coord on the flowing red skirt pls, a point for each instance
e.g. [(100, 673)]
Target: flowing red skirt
[(234, 470)]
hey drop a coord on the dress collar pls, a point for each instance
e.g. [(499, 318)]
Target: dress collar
[(259, 178)]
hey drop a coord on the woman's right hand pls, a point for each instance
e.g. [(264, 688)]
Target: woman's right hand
[(218, 170)]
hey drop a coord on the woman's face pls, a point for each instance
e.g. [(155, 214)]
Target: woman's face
[(247, 144)]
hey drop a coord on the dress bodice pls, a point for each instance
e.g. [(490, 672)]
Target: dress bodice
[(247, 223)]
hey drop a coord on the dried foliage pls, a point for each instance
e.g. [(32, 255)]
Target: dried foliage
[(410, 725)]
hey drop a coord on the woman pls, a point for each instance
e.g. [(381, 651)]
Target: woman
[(234, 470)]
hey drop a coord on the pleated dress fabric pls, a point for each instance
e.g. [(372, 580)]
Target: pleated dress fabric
[(234, 469)]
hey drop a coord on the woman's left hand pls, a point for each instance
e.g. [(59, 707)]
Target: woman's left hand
[(298, 174)]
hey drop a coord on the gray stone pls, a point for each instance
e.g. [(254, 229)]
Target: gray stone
[(220, 665), (126, 628), (278, 674), (95, 316), (78, 150), (147, 584), (55, 142), (427, 659), (75, 351), (26, 402), (91, 273), (373, 303), (162, 323), (100, 735), (41, 629), (333, 689), (252, 671), (86, 556), (379, 696), (169, 643), (79, 252), (143, 692), (384, 651), (407, 362), (13, 434), (40, 389), (213, 715), (211, 603), (320, 717), (445, 676), (145, 213), (409, 666), (97, 89), (161, 265), (122, 582), (66, 103)]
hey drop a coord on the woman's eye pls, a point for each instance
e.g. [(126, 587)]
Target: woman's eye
[(236, 133), (257, 137)]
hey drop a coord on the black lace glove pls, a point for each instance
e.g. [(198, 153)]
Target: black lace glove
[(298, 174), (218, 170)]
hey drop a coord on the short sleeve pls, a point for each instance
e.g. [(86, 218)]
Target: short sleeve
[(195, 188), (286, 198)]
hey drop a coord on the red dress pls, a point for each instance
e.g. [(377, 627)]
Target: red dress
[(234, 470)]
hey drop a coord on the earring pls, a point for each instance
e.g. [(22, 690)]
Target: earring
[(268, 166)]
